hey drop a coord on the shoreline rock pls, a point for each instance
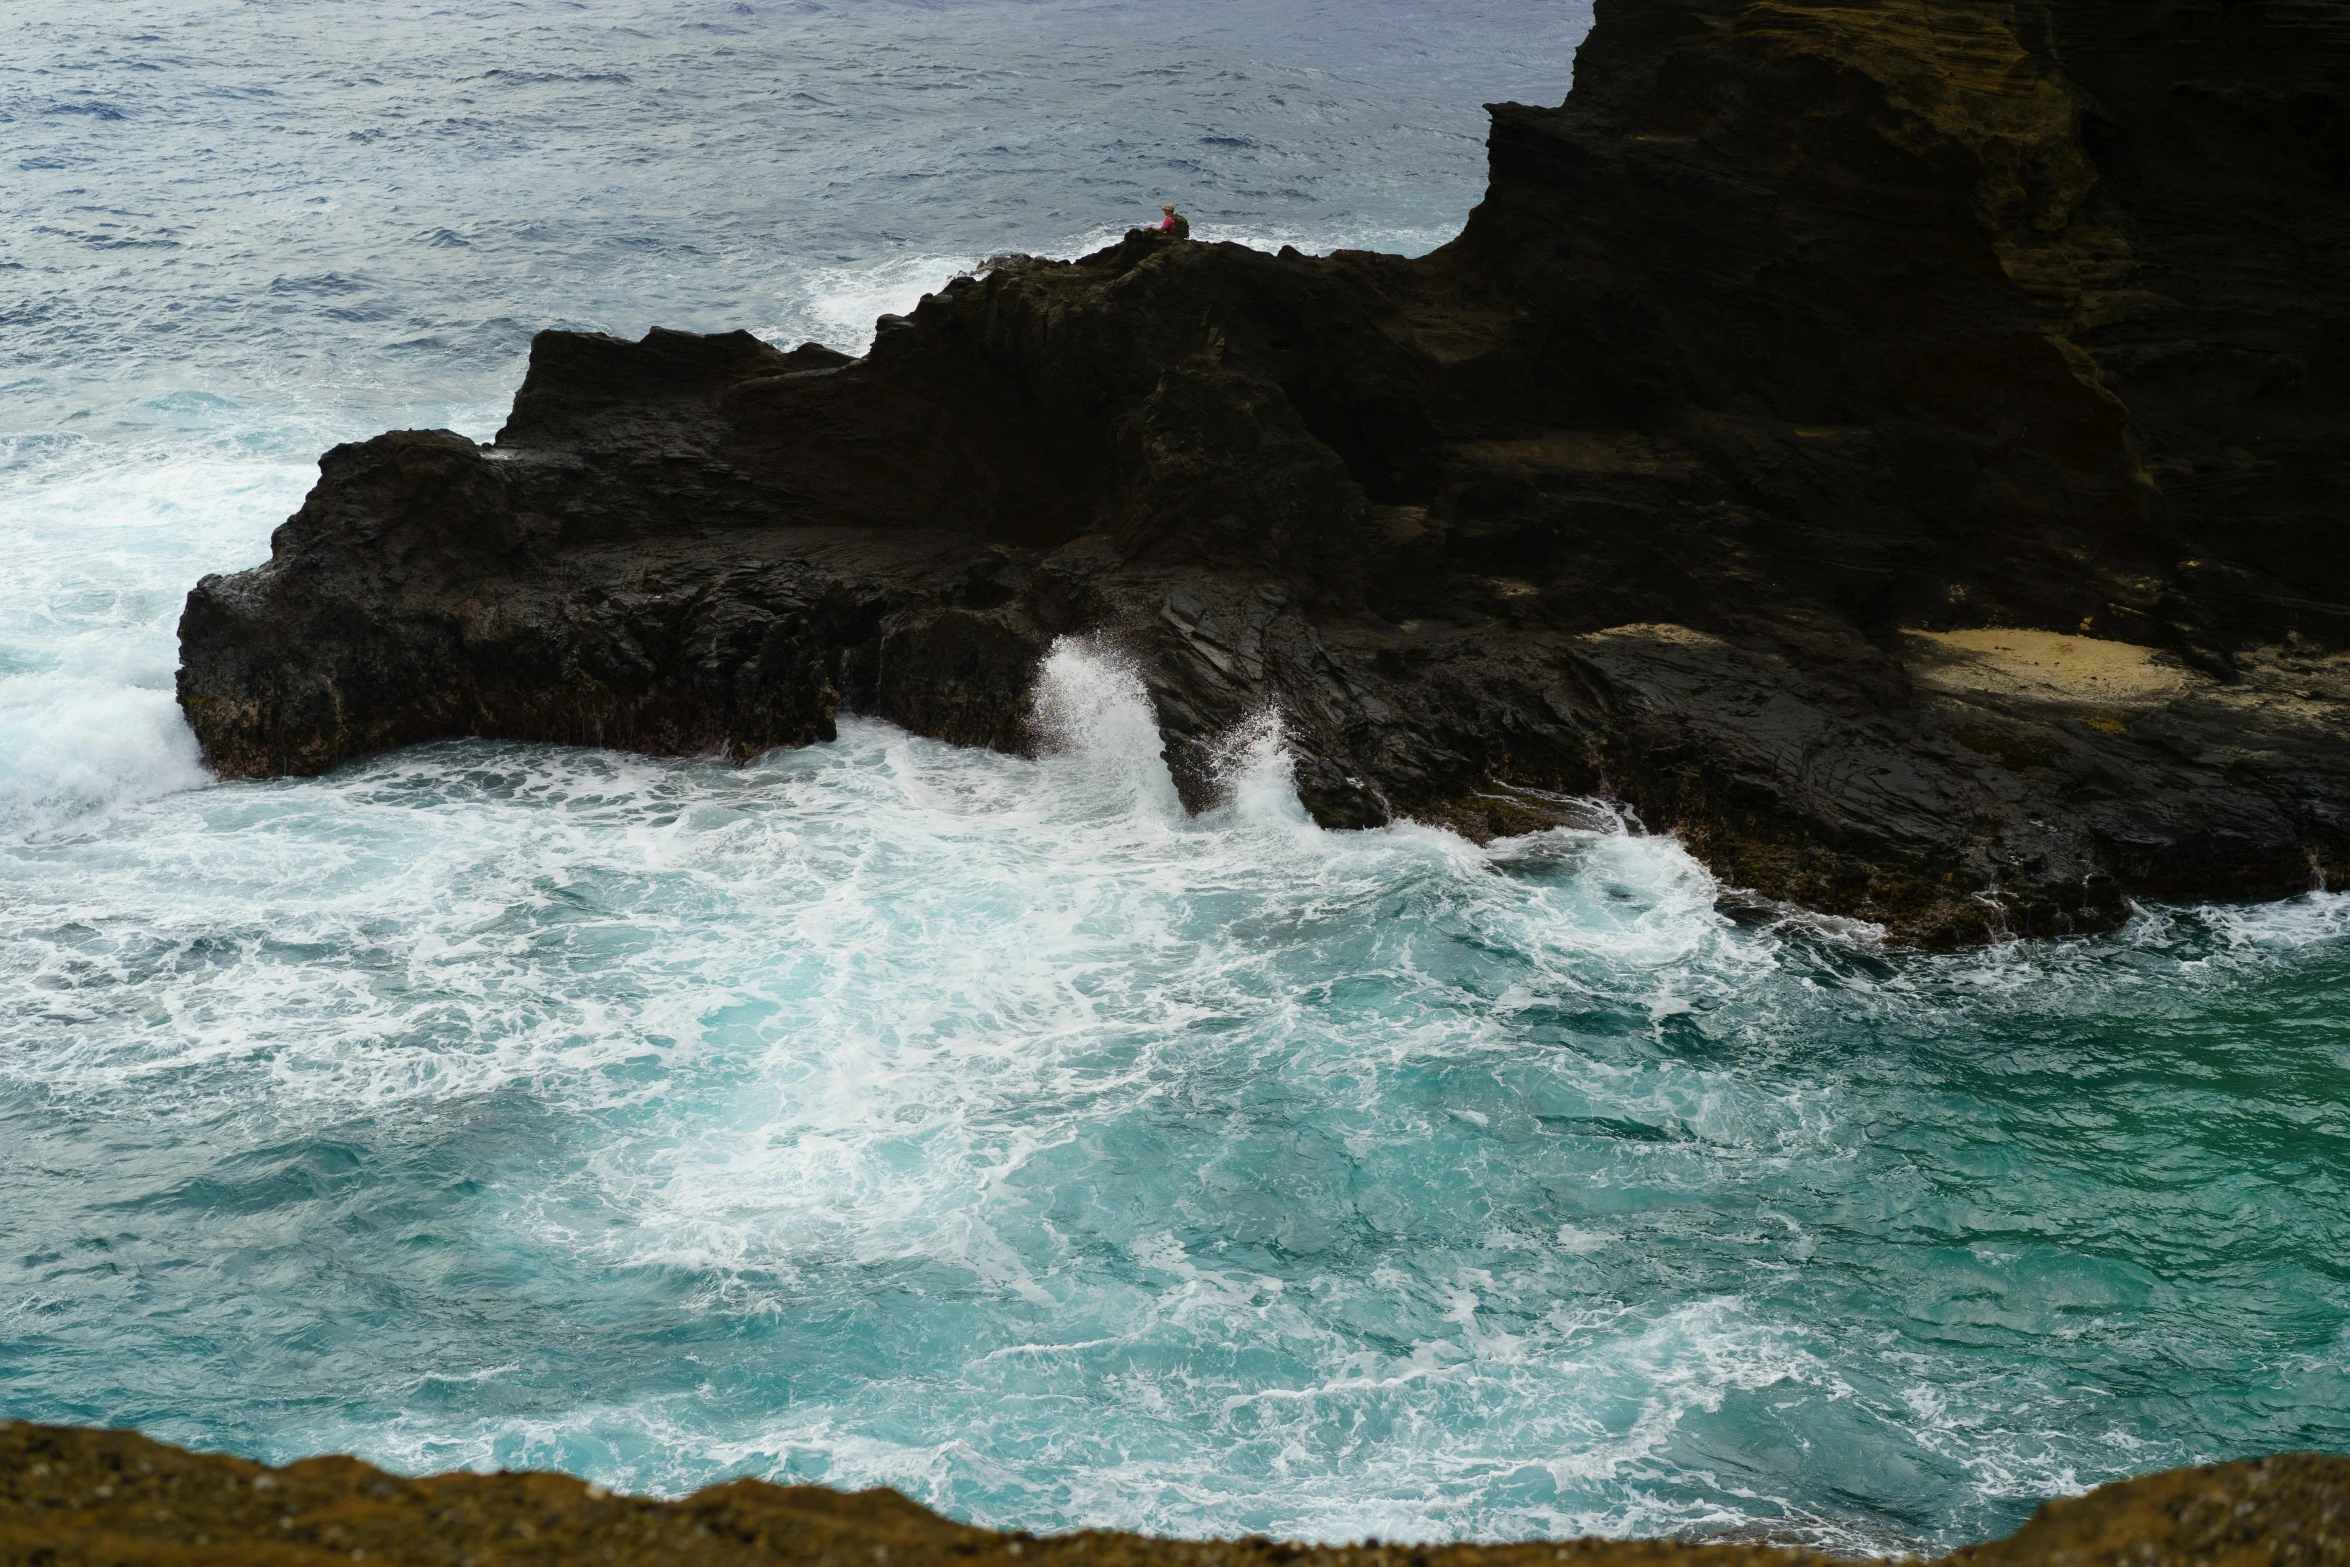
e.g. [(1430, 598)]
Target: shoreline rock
[(72, 1496), (1801, 344)]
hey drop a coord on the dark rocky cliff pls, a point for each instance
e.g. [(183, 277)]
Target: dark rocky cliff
[(1903, 447)]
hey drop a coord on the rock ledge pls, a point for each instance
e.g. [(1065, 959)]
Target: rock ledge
[(80, 1498), (1903, 448)]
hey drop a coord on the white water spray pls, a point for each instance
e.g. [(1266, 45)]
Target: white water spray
[(1091, 707), (1256, 774), (101, 549)]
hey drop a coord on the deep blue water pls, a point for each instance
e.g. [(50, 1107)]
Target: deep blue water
[(886, 1113)]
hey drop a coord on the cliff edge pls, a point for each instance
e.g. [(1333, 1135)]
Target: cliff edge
[(80, 1498), (1901, 446)]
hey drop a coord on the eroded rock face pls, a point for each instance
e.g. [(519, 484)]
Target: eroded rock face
[(1803, 342), (70, 1497)]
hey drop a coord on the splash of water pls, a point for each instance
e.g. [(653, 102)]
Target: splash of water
[(1257, 776), (1091, 706), (97, 550)]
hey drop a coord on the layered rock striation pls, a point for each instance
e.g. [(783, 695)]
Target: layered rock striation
[(1901, 446)]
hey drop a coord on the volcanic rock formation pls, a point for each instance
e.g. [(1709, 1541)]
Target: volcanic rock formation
[(1902, 446)]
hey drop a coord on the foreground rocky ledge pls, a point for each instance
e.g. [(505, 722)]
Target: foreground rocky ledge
[(1903, 448), (70, 1497)]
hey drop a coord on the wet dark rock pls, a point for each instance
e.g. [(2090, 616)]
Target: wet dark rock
[(1902, 449)]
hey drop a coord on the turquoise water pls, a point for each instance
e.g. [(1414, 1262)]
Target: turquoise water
[(887, 1113)]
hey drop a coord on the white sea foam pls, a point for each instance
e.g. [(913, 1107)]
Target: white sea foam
[(1228, 1172), (838, 306), (80, 747), (100, 551)]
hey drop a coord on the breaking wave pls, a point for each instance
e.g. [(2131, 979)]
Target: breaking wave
[(888, 1113)]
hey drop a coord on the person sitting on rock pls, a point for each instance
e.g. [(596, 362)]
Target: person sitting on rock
[(1174, 224)]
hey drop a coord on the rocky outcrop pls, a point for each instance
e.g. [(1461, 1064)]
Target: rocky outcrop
[(1902, 446), (72, 1497)]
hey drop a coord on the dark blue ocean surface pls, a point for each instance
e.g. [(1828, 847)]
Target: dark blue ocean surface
[(887, 1113)]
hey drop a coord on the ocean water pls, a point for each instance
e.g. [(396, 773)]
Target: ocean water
[(884, 1113)]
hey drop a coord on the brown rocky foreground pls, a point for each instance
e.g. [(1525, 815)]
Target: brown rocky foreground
[(79, 1498)]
